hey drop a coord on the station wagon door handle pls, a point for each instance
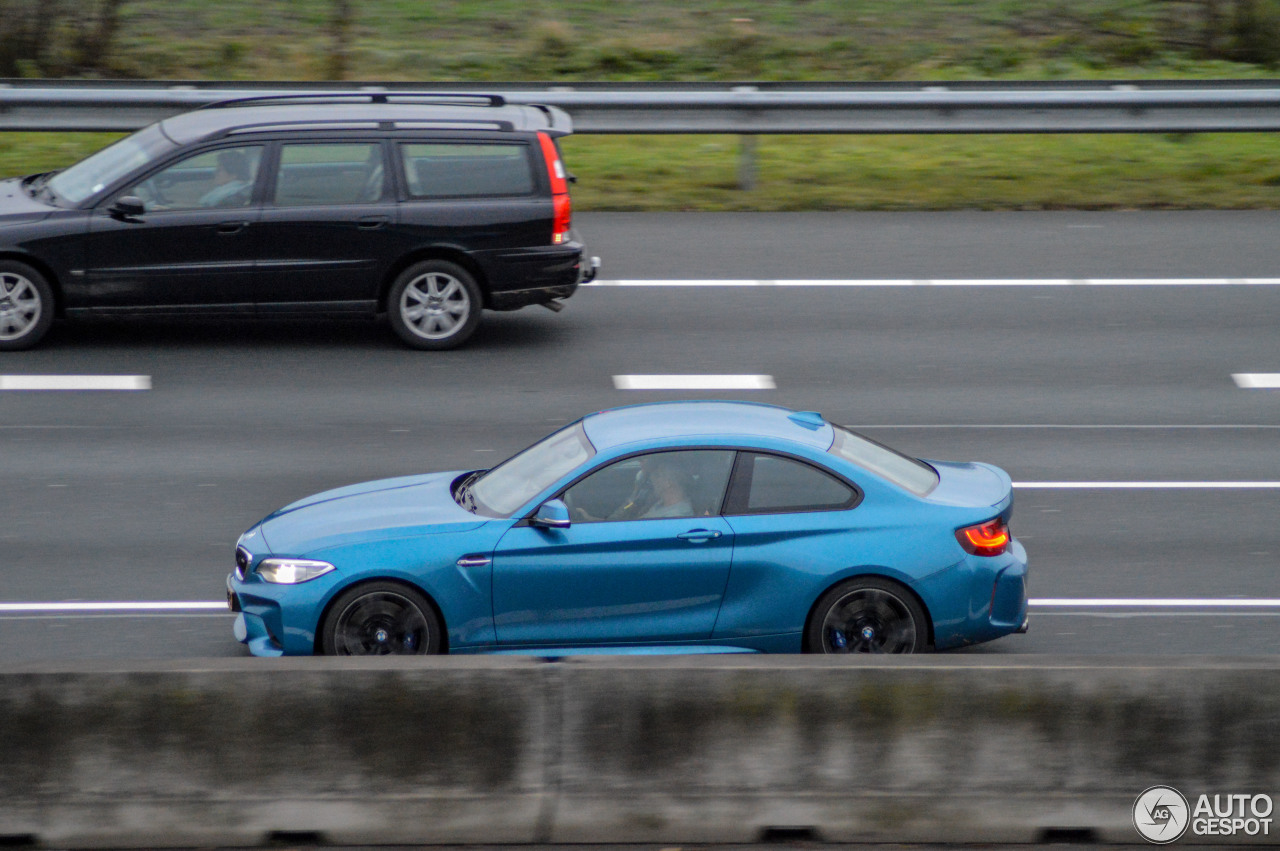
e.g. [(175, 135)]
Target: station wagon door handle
[(699, 536), (372, 222), (232, 227)]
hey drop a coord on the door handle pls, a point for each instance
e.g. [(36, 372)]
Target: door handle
[(699, 536), (474, 561), (232, 227), (372, 222)]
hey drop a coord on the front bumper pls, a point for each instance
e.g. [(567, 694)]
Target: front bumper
[(278, 620)]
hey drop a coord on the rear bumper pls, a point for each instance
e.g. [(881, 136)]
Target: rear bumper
[(536, 275), (979, 599)]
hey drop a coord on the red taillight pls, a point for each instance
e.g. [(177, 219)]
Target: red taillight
[(985, 539), (563, 215), (562, 206)]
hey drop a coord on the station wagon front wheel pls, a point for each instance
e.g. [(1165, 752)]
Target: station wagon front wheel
[(26, 306), (434, 304), (867, 616)]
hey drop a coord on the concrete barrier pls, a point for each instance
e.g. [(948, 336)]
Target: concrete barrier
[(656, 749)]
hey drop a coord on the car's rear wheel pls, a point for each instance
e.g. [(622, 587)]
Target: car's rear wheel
[(26, 306), (867, 615), (434, 304), (380, 619)]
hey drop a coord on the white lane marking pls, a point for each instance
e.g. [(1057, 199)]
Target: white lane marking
[(75, 382), (1145, 485), (111, 607), (1154, 602), (959, 282), (693, 382), (1208, 426), (1257, 380)]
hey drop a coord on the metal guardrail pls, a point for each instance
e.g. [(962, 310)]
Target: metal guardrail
[(1131, 107)]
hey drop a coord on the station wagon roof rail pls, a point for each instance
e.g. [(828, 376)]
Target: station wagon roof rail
[(417, 124), (442, 98)]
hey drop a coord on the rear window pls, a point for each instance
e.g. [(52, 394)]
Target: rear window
[(466, 170), (904, 471)]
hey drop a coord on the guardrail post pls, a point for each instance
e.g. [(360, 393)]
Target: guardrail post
[(747, 145), (747, 162)]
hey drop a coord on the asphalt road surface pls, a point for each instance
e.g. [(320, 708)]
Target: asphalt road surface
[(139, 496)]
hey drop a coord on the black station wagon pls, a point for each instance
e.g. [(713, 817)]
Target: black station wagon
[(423, 207)]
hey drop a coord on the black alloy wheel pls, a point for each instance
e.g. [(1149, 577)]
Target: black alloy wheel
[(381, 619), (867, 615)]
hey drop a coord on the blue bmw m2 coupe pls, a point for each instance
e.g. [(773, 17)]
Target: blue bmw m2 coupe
[(681, 527)]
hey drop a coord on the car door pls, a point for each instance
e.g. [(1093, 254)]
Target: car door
[(793, 525), (328, 227), (646, 558), (195, 245)]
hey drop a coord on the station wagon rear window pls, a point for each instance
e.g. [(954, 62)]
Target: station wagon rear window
[(461, 170)]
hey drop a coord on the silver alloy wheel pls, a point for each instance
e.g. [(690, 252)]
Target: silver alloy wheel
[(435, 306), (20, 306)]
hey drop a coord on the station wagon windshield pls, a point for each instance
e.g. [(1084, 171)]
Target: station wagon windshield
[(520, 478), (95, 173), (904, 471)]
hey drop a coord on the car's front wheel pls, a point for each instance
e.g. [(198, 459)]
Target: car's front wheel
[(434, 304), (26, 306), (380, 619), (867, 615)]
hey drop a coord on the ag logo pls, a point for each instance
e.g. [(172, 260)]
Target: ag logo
[(1161, 814)]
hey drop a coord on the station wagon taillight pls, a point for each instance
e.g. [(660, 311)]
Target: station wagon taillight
[(562, 207), (985, 539)]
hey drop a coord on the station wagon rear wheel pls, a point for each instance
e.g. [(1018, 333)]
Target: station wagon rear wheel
[(867, 616), (434, 304), (380, 619), (26, 306)]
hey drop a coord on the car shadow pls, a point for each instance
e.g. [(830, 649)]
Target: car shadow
[(498, 332)]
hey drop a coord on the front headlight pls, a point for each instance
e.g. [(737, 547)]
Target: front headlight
[(291, 571)]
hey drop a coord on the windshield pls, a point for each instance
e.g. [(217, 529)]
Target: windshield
[(520, 478), (98, 171), (903, 470)]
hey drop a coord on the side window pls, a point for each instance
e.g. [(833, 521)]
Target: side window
[(772, 484), (215, 179), (683, 483), (462, 170), (313, 175)]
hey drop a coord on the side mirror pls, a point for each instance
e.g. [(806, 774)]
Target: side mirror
[(552, 514), (128, 207)]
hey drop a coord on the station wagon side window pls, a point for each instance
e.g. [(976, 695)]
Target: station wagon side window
[(318, 174), (774, 484), (219, 179), (657, 485), (466, 169)]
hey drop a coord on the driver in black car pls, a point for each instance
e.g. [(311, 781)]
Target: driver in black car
[(231, 180)]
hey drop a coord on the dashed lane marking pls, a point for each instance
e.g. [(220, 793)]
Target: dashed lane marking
[(1257, 380), (959, 282), (1261, 485), (694, 382), (75, 382)]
